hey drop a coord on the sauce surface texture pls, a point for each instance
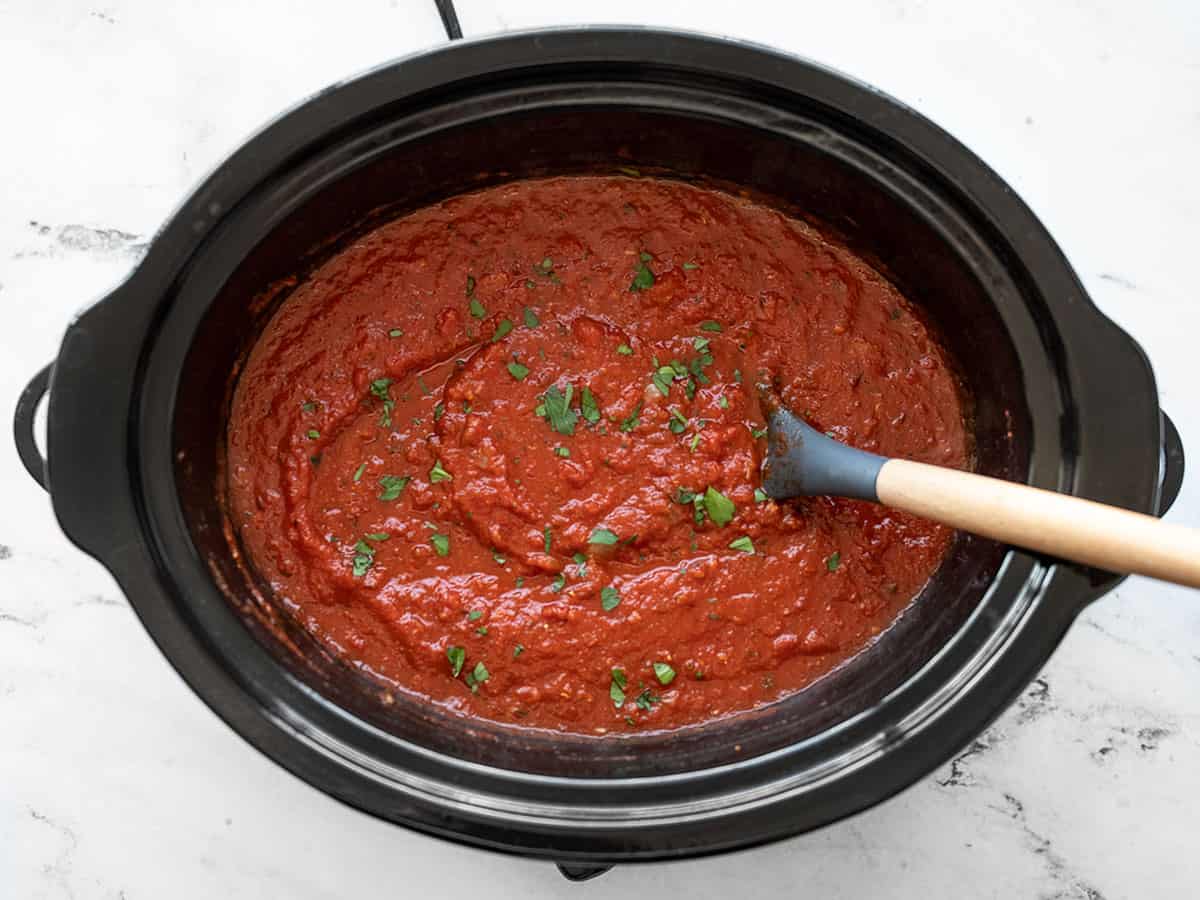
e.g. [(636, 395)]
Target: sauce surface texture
[(504, 453)]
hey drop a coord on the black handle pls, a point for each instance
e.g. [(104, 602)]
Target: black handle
[(1172, 478), (581, 872), (27, 406)]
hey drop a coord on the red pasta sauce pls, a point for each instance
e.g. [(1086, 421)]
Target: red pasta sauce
[(503, 453)]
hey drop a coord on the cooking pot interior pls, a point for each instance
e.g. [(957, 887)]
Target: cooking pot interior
[(832, 173)]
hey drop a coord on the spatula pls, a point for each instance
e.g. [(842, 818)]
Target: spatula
[(802, 461)]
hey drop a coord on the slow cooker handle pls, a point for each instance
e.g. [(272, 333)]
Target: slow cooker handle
[(1172, 474), (27, 448)]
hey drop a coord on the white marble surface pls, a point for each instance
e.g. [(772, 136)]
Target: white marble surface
[(116, 782)]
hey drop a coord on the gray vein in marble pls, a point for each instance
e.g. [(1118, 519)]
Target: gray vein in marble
[(75, 238), (1119, 281), (1066, 883), (60, 870), (5, 551)]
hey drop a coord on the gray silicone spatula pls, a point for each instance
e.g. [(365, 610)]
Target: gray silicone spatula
[(801, 462)]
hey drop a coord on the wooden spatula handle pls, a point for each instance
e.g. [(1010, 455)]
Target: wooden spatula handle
[(1103, 536)]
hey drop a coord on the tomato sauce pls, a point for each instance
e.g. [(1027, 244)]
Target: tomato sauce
[(503, 453)]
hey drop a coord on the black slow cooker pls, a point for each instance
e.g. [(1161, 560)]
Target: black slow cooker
[(139, 392)]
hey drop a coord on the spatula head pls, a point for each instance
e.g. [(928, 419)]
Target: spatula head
[(801, 462)]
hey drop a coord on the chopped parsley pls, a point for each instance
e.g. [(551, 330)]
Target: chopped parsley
[(396, 332), (556, 408), (710, 325), (694, 442), (701, 344), (476, 677), (518, 371), (610, 598), (643, 278), (662, 378), (757, 433), (664, 673), (481, 631), (470, 285), (646, 699), (616, 690), (313, 434), (624, 349), (744, 544), (379, 388), (457, 656), (834, 560), (477, 309), (588, 406), (678, 421), (564, 452), (719, 507), (518, 650), (547, 538), (499, 557), (439, 410), (503, 327), (358, 473), (530, 318), (546, 266), (603, 536), (441, 544), (634, 418), (309, 406), (558, 583), (437, 473), (723, 402), (688, 266), (760, 496), (475, 615)]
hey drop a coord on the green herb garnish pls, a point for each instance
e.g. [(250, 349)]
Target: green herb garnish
[(662, 378), (558, 583), (439, 410), (477, 309), (476, 677), (634, 418), (678, 421), (518, 371), (475, 615), (688, 266), (616, 690), (588, 406), (624, 349), (396, 332), (358, 473), (710, 325), (518, 650), (556, 408), (719, 507), (503, 327), (743, 544), (757, 433), (441, 544), (470, 285), (564, 452), (610, 598), (646, 699), (392, 486), (547, 538), (457, 656), (760, 496), (309, 406), (313, 434), (664, 673), (603, 536), (834, 560), (437, 473), (643, 278)]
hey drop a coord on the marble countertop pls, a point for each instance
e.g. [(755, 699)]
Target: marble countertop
[(117, 782)]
